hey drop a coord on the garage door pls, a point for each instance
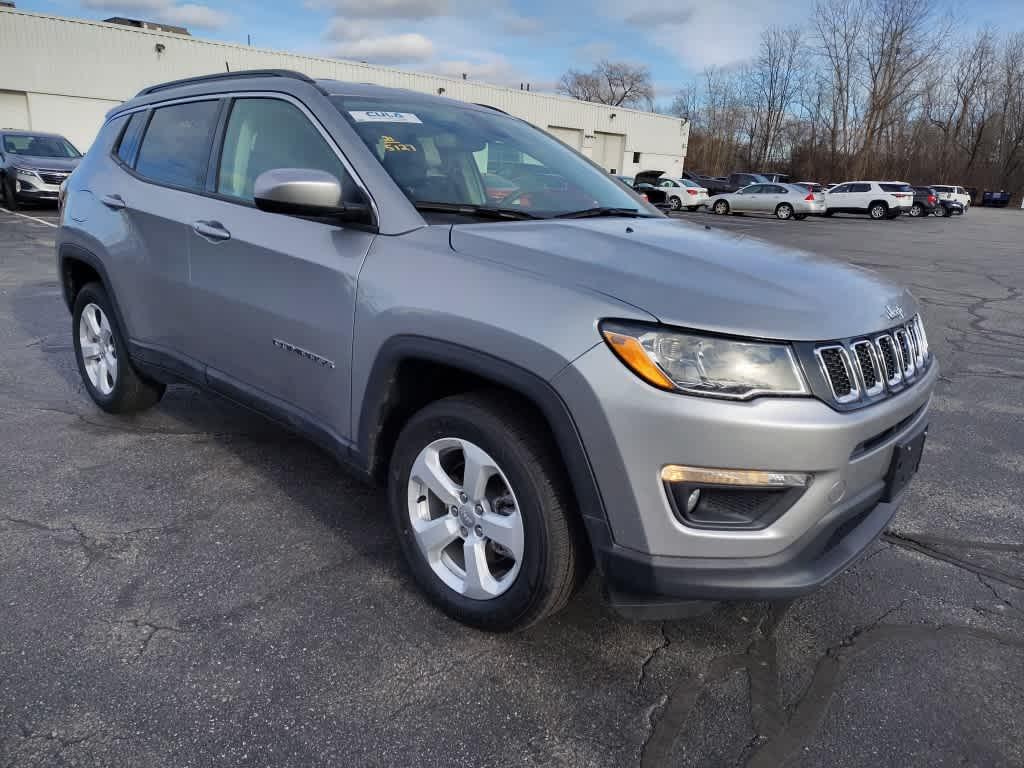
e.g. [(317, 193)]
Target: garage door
[(13, 110), (571, 136), (608, 150)]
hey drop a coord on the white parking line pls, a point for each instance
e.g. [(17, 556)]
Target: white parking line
[(30, 218)]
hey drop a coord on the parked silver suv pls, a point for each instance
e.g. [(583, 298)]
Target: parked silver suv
[(560, 379)]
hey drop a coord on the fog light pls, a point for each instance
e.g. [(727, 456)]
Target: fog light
[(692, 499), (725, 499)]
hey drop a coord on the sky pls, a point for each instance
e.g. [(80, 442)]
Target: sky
[(499, 41)]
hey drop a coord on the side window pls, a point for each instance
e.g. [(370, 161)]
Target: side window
[(130, 138), (754, 189), (775, 189), (961, 191), (840, 189), (860, 188), (264, 134), (176, 147)]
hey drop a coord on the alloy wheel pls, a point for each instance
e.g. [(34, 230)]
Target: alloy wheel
[(99, 353), (675, 204), (465, 518)]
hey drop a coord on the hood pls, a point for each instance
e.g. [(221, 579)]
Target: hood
[(49, 163), (694, 276)]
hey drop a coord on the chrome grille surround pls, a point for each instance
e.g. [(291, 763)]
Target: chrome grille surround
[(835, 367), (858, 371), (870, 370)]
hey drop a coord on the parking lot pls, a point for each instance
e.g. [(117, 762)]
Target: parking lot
[(195, 586)]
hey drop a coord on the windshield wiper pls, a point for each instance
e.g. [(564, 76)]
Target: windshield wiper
[(589, 213), (474, 210)]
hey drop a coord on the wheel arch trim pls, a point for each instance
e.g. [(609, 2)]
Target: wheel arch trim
[(383, 385)]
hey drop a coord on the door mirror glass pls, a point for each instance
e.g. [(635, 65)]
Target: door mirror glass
[(305, 192)]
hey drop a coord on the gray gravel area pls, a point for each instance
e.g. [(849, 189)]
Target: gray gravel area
[(194, 586)]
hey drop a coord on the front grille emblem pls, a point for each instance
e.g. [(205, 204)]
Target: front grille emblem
[(894, 311)]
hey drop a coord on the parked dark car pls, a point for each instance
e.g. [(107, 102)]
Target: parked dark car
[(33, 165), (720, 185), (646, 183), (925, 202), (776, 177), (998, 199), (949, 208)]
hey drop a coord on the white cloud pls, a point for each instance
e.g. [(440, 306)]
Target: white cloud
[(385, 9), (191, 15), (699, 33), (526, 26), (185, 15), (387, 49)]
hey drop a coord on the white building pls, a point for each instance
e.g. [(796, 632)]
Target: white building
[(62, 75)]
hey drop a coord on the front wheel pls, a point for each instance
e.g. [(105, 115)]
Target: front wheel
[(721, 207), (784, 211), (483, 511), (10, 198)]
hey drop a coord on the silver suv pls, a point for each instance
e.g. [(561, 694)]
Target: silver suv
[(547, 377)]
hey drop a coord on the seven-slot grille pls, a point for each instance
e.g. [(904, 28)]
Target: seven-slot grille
[(866, 367)]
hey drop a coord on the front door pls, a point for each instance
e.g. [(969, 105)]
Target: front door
[(273, 294)]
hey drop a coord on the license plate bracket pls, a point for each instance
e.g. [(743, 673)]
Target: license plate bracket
[(906, 458)]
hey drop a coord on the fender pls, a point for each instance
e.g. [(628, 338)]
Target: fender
[(382, 387), (71, 252)]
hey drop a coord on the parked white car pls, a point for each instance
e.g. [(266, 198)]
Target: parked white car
[(683, 193), (954, 193), (878, 199), (784, 201)]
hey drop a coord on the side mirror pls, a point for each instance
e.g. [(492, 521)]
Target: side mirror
[(305, 192)]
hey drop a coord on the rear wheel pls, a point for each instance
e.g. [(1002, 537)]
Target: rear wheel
[(917, 210), (878, 211), (721, 207), (828, 213), (784, 211), (675, 203), (799, 216), (483, 512), (102, 356)]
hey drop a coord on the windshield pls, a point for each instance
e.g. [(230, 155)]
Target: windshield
[(40, 146), (448, 154)]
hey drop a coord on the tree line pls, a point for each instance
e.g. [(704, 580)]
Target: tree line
[(864, 89)]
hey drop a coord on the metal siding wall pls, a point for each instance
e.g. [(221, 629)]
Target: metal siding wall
[(85, 59)]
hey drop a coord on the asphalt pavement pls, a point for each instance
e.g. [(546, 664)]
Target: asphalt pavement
[(194, 586)]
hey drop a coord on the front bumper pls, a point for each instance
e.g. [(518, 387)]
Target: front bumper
[(633, 430), (35, 190)]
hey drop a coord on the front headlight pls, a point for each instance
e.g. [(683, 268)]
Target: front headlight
[(700, 364), (27, 173)]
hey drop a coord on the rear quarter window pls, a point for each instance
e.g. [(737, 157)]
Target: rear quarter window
[(176, 147), (897, 187), (130, 139)]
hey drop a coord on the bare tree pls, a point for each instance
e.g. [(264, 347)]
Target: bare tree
[(772, 82), (618, 83)]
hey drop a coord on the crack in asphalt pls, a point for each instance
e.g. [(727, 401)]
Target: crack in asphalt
[(995, 593), (928, 549), (666, 641), (780, 732), (93, 549), (150, 628)]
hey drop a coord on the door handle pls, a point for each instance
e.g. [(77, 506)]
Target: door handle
[(211, 230), (114, 201)]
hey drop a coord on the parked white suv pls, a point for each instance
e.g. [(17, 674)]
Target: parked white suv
[(949, 192), (878, 199)]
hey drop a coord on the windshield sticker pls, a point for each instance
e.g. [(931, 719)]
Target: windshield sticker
[(394, 145), (385, 117)]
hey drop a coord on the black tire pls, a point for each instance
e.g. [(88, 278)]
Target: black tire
[(784, 211), (878, 211), (131, 392), (555, 557), (10, 198), (799, 216), (675, 203), (692, 208), (917, 210), (721, 207), (828, 214)]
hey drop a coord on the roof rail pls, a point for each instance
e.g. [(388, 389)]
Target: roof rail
[(488, 106), (226, 76)]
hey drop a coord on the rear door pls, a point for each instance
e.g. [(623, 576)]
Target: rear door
[(754, 198), (161, 161), (274, 295)]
